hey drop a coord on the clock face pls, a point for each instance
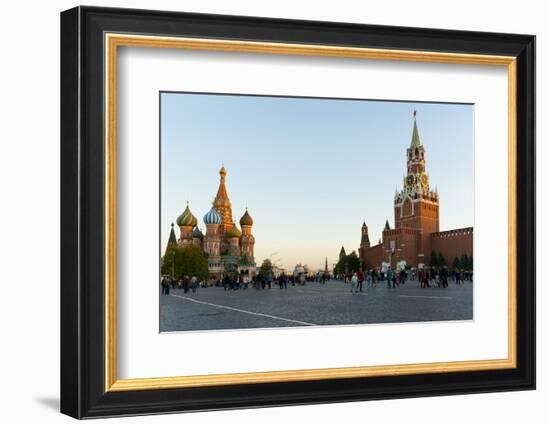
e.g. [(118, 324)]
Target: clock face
[(424, 181)]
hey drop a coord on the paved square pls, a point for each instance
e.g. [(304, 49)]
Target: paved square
[(314, 304)]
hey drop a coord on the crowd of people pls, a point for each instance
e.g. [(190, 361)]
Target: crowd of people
[(230, 282), (188, 283), (426, 278), (259, 281)]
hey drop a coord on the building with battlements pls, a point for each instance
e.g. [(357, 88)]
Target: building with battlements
[(416, 216)]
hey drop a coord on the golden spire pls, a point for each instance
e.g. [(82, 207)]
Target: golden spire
[(221, 202), (415, 139), (222, 198)]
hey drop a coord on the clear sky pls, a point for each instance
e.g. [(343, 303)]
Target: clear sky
[(309, 170)]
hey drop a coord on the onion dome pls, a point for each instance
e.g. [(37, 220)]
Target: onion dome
[(187, 218), (197, 233), (246, 219), (234, 232), (212, 217)]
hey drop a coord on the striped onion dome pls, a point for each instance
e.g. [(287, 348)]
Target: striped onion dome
[(197, 233), (212, 217), (246, 219), (234, 232), (187, 218)]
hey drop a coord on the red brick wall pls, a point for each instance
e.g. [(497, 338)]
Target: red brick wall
[(373, 256), (406, 241), (453, 243)]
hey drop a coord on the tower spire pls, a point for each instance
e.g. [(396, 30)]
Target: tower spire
[(415, 140), (172, 238), (172, 241), (365, 242), (222, 204), (342, 253)]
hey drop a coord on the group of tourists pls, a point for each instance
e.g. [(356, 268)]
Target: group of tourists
[(259, 281), (439, 277), (426, 277), (188, 283)]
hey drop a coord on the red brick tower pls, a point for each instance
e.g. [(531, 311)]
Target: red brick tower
[(247, 239), (416, 207), (223, 205)]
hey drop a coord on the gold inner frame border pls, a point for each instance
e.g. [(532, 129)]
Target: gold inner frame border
[(113, 40)]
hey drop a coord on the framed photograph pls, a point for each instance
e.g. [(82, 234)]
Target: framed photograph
[(261, 212)]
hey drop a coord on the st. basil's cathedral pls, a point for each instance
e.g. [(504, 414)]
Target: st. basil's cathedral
[(227, 248)]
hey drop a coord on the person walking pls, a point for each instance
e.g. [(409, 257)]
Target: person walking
[(425, 279), (389, 277), (459, 277), (166, 286), (443, 277), (360, 279), (194, 284), (354, 283)]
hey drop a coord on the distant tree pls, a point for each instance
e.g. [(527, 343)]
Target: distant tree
[(353, 262), (441, 260), (266, 268), (348, 264), (434, 259), (188, 261), (340, 267), (456, 263), (471, 263), (168, 260), (464, 262)]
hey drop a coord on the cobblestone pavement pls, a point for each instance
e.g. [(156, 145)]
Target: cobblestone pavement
[(312, 305)]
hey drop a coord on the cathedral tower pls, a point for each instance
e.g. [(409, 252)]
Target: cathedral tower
[(247, 239), (186, 222), (212, 221), (222, 204), (416, 207), (233, 237), (212, 240)]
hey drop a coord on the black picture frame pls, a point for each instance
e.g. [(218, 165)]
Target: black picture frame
[(83, 392)]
